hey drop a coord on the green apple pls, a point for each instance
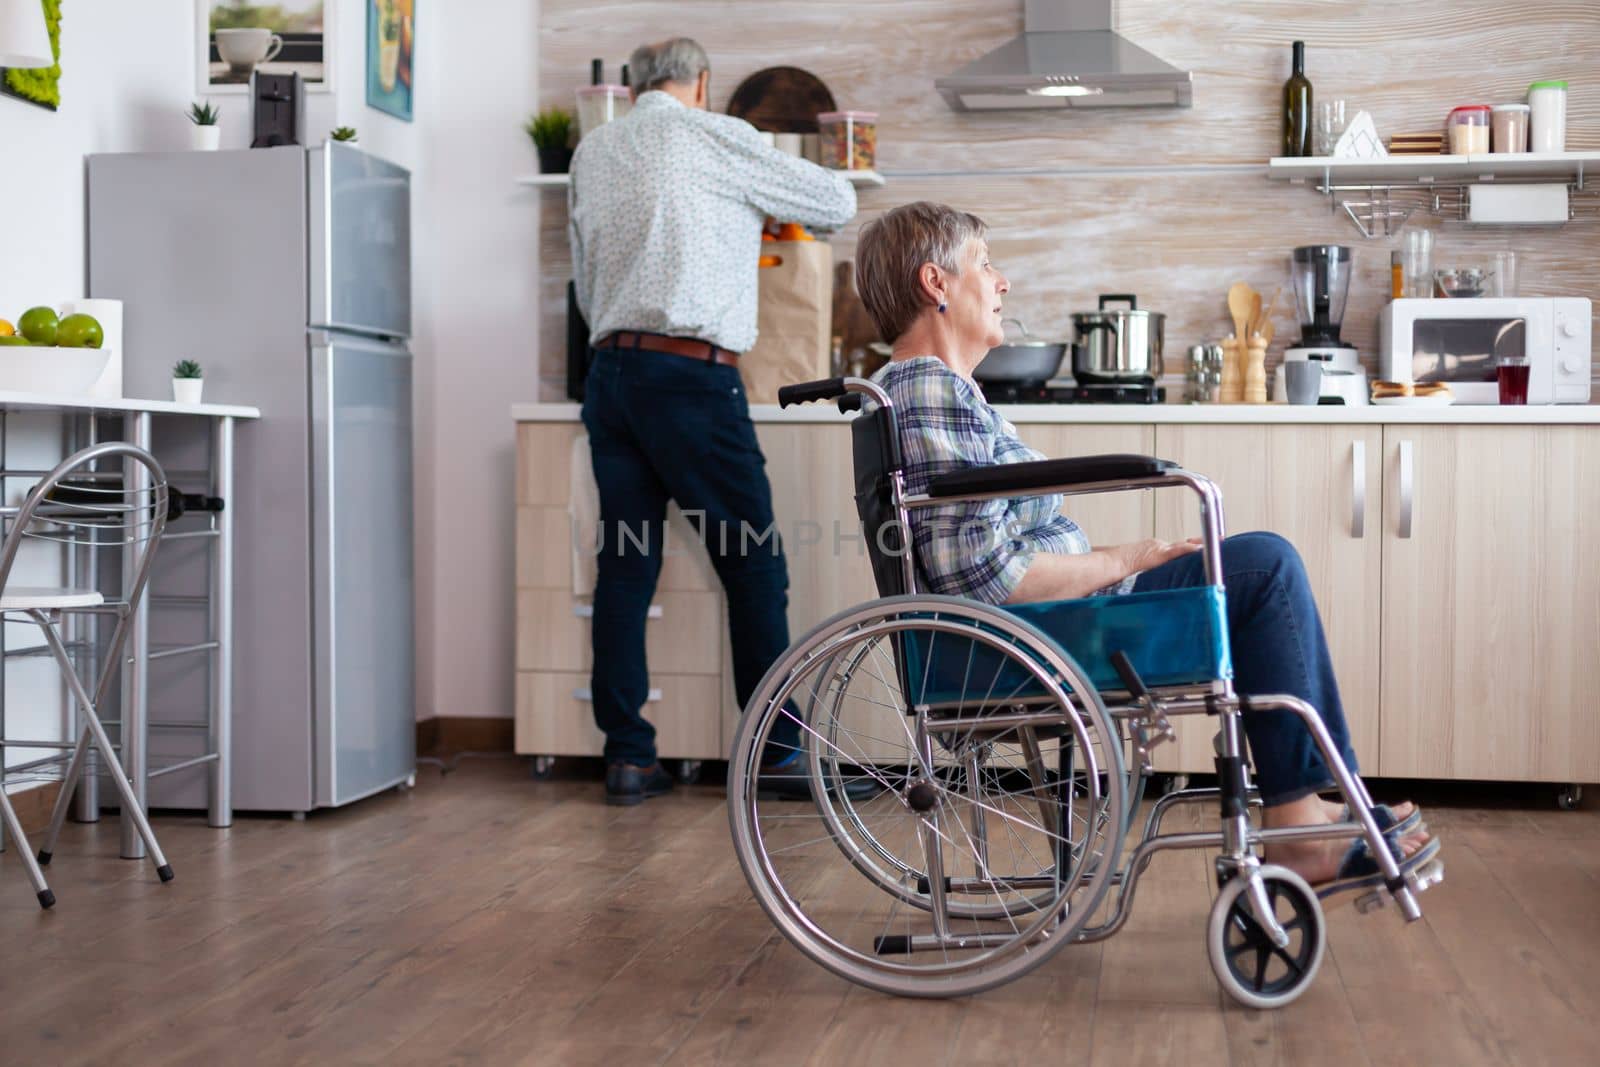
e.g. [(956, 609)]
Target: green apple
[(39, 325), (8, 340), (79, 331)]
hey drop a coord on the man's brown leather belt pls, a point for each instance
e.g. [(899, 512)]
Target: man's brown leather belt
[(688, 347)]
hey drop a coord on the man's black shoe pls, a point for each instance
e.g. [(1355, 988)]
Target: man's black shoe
[(627, 785), (792, 781)]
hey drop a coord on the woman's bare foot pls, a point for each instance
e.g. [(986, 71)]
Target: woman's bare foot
[(1335, 810), (1318, 861)]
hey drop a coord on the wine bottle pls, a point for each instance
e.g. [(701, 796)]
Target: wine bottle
[(1297, 107)]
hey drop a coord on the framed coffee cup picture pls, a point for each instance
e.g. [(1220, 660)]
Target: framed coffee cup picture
[(390, 48), (236, 38)]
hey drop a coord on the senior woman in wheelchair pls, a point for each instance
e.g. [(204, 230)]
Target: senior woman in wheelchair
[(925, 277)]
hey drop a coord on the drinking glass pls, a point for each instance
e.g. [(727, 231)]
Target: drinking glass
[(1416, 262), (1512, 374), (1504, 280), (1329, 126)]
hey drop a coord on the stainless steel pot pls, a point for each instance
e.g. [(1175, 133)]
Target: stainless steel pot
[(1117, 345), (1027, 360)]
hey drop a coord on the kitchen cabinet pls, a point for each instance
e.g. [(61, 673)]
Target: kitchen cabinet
[(1491, 603), (1463, 642), (683, 633), (1318, 486)]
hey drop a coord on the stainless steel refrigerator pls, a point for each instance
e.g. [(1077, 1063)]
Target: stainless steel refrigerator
[(286, 272)]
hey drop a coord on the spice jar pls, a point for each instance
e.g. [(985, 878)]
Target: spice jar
[(1467, 129), (849, 139), (1548, 103), (1509, 125)]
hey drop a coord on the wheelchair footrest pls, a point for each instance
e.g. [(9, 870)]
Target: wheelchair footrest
[(1419, 881)]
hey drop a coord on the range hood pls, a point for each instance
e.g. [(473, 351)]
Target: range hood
[(1068, 57)]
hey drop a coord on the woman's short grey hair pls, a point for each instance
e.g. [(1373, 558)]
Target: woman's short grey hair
[(680, 60), (890, 254)]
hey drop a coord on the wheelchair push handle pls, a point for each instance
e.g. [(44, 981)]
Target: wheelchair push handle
[(806, 392)]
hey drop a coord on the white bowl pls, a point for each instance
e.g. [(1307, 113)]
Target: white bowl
[(51, 371)]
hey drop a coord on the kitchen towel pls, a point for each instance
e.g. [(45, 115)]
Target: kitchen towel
[(794, 319)]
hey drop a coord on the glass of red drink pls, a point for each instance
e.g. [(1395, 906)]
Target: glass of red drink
[(1513, 377)]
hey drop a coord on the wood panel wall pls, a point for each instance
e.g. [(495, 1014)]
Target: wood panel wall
[(1175, 237)]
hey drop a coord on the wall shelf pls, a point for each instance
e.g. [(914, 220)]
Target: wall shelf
[(858, 178), (1380, 195)]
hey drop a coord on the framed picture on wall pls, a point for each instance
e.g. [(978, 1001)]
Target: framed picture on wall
[(236, 37), (390, 48), (39, 85)]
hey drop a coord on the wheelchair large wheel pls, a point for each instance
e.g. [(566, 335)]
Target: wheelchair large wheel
[(1254, 971), (993, 831)]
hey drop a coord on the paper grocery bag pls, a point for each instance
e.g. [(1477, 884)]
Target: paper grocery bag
[(794, 319)]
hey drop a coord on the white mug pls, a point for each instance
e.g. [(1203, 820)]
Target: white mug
[(243, 49)]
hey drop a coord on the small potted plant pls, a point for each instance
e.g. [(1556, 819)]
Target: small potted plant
[(551, 130), (343, 134), (186, 382), (207, 134)]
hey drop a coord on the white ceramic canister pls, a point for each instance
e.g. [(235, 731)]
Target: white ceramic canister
[(1548, 100)]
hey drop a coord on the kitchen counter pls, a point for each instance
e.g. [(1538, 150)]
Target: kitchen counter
[(1177, 414)]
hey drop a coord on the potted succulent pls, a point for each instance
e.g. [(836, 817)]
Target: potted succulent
[(343, 134), (207, 134), (551, 130), (186, 382)]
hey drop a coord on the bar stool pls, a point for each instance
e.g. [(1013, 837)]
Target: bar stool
[(78, 505)]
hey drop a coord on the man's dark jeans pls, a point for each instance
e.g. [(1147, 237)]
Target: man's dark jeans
[(663, 427), (1278, 647)]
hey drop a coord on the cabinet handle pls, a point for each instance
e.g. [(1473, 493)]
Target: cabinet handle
[(1358, 489), (586, 611), (585, 694), (1406, 488)]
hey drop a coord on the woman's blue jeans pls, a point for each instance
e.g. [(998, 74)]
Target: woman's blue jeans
[(1278, 647)]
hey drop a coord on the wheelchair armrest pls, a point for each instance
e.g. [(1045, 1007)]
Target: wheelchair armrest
[(1048, 474)]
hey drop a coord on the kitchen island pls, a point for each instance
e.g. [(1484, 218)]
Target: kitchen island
[(1444, 544)]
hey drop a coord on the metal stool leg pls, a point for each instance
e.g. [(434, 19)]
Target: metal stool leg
[(35, 875), (69, 786), (131, 807)]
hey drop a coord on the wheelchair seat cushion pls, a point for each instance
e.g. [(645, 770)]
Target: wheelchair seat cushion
[(1172, 636)]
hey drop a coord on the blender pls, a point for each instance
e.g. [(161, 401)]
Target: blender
[(1320, 275)]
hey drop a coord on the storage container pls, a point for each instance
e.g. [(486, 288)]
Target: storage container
[(1547, 102), (849, 139), (1509, 128), (599, 104), (1467, 130)]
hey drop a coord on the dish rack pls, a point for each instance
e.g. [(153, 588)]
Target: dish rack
[(1380, 195)]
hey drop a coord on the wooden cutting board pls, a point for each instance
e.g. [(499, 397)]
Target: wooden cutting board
[(781, 100)]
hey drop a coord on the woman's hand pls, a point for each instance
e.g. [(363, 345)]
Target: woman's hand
[(1140, 556)]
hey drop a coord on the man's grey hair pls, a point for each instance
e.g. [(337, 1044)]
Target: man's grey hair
[(891, 251), (680, 60)]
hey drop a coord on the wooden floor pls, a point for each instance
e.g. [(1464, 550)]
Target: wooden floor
[(487, 918)]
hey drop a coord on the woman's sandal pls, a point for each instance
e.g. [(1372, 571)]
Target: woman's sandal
[(1359, 870), (1389, 824)]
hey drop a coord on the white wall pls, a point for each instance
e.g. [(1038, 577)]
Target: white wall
[(128, 73)]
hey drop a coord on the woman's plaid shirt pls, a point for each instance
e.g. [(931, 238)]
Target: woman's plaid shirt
[(978, 549)]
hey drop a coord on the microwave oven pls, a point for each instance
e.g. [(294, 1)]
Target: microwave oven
[(1460, 341)]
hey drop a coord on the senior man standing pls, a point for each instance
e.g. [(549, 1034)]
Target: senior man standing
[(666, 208)]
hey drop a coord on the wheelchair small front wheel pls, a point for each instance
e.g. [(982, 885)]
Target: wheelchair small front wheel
[(1253, 970)]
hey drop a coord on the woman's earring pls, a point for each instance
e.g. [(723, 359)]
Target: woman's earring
[(941, 308)]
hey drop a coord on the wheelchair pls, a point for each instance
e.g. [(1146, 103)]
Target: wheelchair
[(1011, 748)]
